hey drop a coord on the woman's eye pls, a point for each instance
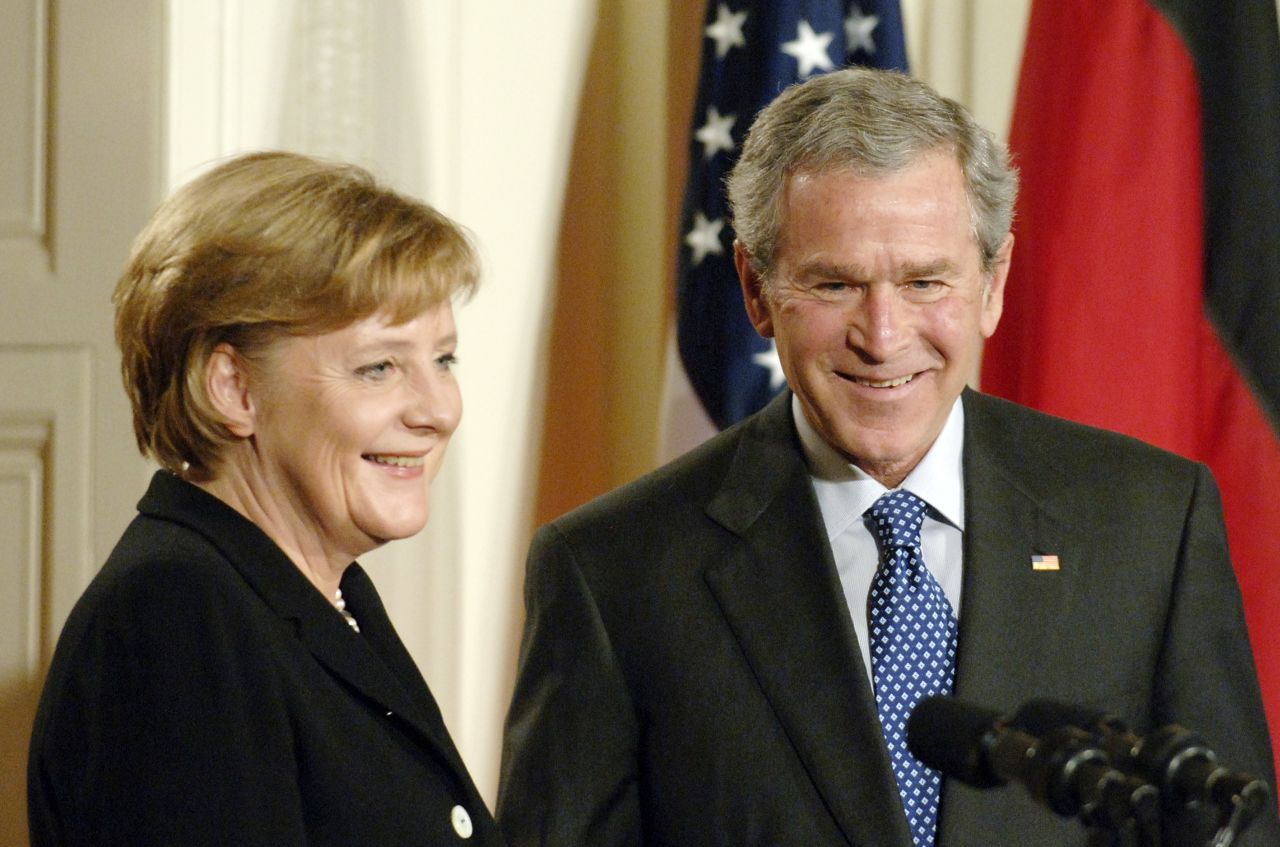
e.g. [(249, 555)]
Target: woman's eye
[(376, 370), (447, 361)]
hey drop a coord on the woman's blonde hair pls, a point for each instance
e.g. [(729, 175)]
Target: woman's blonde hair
[(264, 246)]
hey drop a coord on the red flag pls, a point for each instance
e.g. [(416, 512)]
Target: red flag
[(1144, 295)]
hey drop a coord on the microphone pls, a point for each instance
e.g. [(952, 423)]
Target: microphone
[(1065, 770), (1174, 758)]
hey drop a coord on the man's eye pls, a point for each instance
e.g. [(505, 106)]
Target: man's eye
[(925, 288)]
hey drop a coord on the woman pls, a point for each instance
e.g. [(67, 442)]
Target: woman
[(230, 677)]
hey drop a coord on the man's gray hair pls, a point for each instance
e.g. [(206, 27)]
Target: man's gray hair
[(873, 123)]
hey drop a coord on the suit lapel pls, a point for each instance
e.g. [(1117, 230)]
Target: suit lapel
[(349, 657), (781, 597), (423, 712), (1009, 611), (352, 659), (361, 661)]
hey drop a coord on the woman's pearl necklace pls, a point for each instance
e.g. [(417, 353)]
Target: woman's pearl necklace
[(341, 606)]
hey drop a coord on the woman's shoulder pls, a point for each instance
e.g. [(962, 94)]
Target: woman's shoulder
[(160, 560), (164, 585)]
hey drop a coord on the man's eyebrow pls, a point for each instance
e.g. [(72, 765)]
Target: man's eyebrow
[(833, 270), (938, 267)]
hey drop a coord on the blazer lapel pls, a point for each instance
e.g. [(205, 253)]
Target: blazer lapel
[(283, 588), (422, 713), (351, 658), (1009, 609), (372, 673), (781, 597), (372, 663)]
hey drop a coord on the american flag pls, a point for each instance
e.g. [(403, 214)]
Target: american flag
[(1045, 562), (752, 50)]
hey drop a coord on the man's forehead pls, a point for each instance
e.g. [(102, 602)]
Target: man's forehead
[(830, 193), (939, 171), (873, 171)]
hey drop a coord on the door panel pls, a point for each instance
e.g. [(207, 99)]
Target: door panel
[(80, 158)]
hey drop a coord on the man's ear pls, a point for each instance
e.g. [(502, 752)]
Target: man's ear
[(753, 293), (226, 381), (993, 291)]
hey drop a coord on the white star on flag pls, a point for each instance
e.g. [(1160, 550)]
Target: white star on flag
[(810, 49), (857, 31), (704, 238), (714, 134), (769, 359), (727, 30)]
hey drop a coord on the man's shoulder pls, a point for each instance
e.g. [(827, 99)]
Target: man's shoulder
[(690, 479), (1036, 440), (754, 455)]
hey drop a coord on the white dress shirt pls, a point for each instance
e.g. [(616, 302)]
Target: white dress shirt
[(845, 492)]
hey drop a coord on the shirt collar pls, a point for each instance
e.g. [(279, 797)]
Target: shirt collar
[(845, 491)]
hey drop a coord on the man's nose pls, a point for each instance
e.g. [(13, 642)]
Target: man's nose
[(878, 326)]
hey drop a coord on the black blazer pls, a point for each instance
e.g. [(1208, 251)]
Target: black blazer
[(203, 692), (690, 675)]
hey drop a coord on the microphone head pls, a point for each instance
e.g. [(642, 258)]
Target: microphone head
[(1040, 717), (952, 738)]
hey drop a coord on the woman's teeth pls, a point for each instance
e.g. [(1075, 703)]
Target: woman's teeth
[(398, 461)]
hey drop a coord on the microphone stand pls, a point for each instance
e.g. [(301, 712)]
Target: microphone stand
[(1146, 826), (1164, 790), (1193, 784), (1066, 771), (1201, 802), (1245, 806)]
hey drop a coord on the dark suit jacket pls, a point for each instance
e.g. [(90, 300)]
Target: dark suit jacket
[(203, 692), (690, 675)]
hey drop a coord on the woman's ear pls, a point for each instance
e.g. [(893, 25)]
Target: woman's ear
[(227, 384)]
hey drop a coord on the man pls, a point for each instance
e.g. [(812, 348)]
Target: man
[(725, 651)]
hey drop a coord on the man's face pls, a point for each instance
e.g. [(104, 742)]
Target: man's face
[(878, 305)]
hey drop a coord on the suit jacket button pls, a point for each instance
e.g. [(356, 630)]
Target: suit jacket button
[(461, 822)]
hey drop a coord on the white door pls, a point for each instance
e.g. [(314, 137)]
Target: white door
[(80, 169)]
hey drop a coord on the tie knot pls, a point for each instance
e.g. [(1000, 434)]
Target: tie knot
[(898, 516)]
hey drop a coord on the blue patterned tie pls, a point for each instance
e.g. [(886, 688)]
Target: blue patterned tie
[(913, 648)]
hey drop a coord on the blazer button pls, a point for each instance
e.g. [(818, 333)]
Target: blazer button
[(461, 822)]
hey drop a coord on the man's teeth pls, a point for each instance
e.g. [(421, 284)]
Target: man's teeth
[(398, 461), (884, 383)]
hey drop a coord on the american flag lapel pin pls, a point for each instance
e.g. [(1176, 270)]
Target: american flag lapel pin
[(1045, 562)]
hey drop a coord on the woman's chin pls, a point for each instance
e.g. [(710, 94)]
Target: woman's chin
[(403, 523)]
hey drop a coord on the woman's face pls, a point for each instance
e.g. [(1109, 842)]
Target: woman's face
[(350, 429)]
